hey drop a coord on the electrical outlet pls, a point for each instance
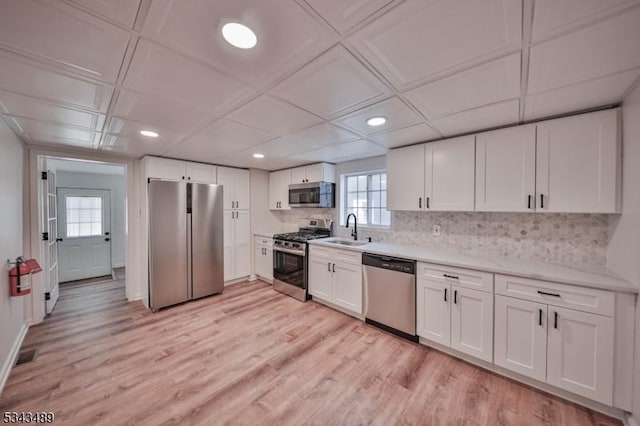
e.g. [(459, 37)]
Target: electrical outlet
[(436, 230)]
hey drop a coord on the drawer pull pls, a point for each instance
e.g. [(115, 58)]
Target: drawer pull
[(548, 294), (453, 277)]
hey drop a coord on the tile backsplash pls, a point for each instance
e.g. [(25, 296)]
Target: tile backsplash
[(550, 237)]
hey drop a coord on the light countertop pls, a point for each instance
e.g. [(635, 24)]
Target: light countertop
[(597, 277)]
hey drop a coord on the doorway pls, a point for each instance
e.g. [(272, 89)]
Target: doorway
[(83, 211)]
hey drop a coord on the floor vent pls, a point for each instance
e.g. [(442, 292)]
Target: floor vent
[(26, 356)]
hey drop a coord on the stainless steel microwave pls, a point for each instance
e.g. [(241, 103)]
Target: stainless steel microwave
[(313, 194)]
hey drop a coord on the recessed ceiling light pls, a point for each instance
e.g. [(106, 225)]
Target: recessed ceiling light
[(149, 133), (239, 35), (376, 121), (256, 155)]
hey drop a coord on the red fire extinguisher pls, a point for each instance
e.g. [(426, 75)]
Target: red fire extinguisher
[(20, 278)]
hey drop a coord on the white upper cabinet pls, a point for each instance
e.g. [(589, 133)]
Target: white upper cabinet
[(577, 164), (320, 172), (437, 176), (279, 189), (166, 168), (405, 178), (506, 170), (236, 187), (449, 174)]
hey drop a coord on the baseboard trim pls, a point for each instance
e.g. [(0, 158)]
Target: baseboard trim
[(13, 355), (118, 265), (236, 281)]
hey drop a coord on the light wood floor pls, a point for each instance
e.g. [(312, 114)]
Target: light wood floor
[(253, 356)]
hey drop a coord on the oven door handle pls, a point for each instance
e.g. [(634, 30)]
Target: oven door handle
[(284, 250)]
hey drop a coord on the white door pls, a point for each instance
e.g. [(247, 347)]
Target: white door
[(228, 224), (299, 175), (164, 168), (506, 170), (242, 244), (279, 189), (347, 286), (577, 164), (226, 178), (433, 303), (450, 174), (84, 226), (405, 178), (521, 336), (320, 277), (315, 173), (580, 353), (50, 227), (264, 261), (243, 189), (472, 322)]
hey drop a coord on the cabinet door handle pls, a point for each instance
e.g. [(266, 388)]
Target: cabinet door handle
[(455, 297), (427, 202), (329, 266), (539, 316), (189, 178), (548, 294), (542, 201), (445, 294), (555, 320), (334, 267), (182, 177), (420, 202), (529, 202), (453, 277), (237, 204)]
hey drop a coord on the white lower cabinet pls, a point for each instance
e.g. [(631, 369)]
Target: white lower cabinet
[(452, 314), (335, 276), (264, 257), (566, 348), (521, 337)]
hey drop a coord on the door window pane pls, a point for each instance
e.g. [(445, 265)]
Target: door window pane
[(83, 216)]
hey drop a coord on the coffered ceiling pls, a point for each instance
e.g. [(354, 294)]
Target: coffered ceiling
[(91, 74)]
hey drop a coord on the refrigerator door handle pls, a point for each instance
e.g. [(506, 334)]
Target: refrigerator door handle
[(189, 256)]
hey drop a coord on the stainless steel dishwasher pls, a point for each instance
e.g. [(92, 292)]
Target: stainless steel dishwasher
[(390, 294)]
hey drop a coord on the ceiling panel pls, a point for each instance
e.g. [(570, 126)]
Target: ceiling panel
[(245, 159), (24, 106), (43, 132), (420, 39), (343, 15), (74, 39), (590, 94), (552, 16), (598, 50), (172, 114), (343, 152), (287, 36), (406, 136), (124, 137), (160, 72), (26, 77), (333, 84), (397, 113), (221, 138), (485, 84), (122, 11), (478, 119), (273, 115)]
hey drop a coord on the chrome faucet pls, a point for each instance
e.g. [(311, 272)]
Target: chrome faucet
[(354, 232)]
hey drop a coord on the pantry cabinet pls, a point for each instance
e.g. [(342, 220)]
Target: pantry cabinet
[(436, 176), (578, 164), (335, 276), (506, 170), (455, 309), (236, 187), (237, 244), (279, 189), (558, 334)]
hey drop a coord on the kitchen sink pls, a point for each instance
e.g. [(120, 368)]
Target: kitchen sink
[(348, 242)]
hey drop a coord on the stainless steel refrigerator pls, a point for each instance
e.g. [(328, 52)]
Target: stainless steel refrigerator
[(185, 242)]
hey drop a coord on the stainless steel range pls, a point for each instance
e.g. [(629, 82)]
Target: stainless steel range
[(290, 263)]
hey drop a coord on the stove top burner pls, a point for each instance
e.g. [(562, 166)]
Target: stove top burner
[(299, 237)]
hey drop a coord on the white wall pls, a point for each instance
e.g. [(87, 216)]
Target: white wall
[(12, 316), (623, 253), (116, 184)]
